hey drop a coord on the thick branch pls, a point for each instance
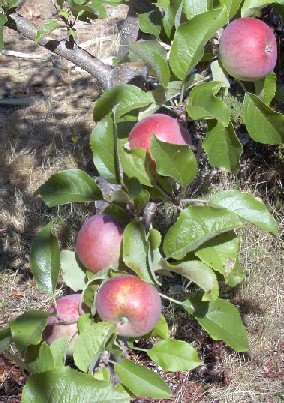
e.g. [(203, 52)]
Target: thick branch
[(75, 54)]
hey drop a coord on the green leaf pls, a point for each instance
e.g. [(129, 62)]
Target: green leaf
[(236, 276), (176, 161), (265, 89), (151, 23), (58, 349), (103, 146), (222, 146), (221, 320), (247, 207), (172, 16), (250, 6), (204, 104), (90, 344), (135, 164), (45, 259), (199, 273), (160, 330), (232, 6), (263, 124), (73, 276), (46, 29), (69, 186), (27, 328), (220, 253), (123, 98), (219, 75), (195, 226), (5, 339), (190, 38), (67, 385), (174, 355), (154, 56), (3, 20), (43, 362), (194, 7), (141, 381), (135, 250)]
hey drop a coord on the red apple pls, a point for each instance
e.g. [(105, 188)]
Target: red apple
[(163, 126), (68, 312), (98, 242), (248, 49), (129, 302)]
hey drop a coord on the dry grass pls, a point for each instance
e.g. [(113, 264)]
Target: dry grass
[(52, 133)]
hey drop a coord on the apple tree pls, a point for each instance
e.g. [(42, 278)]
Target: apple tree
[(146, 157)]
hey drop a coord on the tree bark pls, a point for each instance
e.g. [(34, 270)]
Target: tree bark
[(75, 54)]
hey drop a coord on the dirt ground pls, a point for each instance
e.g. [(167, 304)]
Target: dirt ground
[(45, 122)]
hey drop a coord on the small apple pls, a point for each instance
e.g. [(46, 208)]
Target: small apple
[(129, 302), (65, 322), (164, 127), (248, 49), (98, 242)]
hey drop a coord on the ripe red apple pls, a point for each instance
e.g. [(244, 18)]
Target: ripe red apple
[(98, 242), (163, 126), (247, 49), (68, 312), (129, 302)]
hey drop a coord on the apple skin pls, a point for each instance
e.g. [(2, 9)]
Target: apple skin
[(248, 49), (129, 302), (98, 242), (165, 128), (68, 310)]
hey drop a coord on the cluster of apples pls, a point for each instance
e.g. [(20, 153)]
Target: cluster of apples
[(126, 300), (248, 52)]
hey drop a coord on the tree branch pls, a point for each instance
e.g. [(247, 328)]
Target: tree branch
[(78, 56)]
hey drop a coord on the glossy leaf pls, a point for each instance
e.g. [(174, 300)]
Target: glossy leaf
[(220, 253), (263, 124), (247, 207), (135, 249), (136, 164), (73, 276), (69, 186), (199, 273), (43, 362), (151, 23), (46, 29), (45, 259), (203, 103), (67, 385), (221, 320), (195, 226), (90, 344), (222, 146), (154, 56), (172, 15), (160, 330), (265, 89), (176, 161), (5, 339), (195, 7), (103, 146), (141, 381), (249, 6), (122, 98), (190, 38), (174, 355), (27, 328)]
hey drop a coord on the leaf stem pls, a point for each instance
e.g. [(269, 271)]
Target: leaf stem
[(171, 299)]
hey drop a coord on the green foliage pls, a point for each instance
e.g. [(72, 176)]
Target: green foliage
[(199, 243)]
